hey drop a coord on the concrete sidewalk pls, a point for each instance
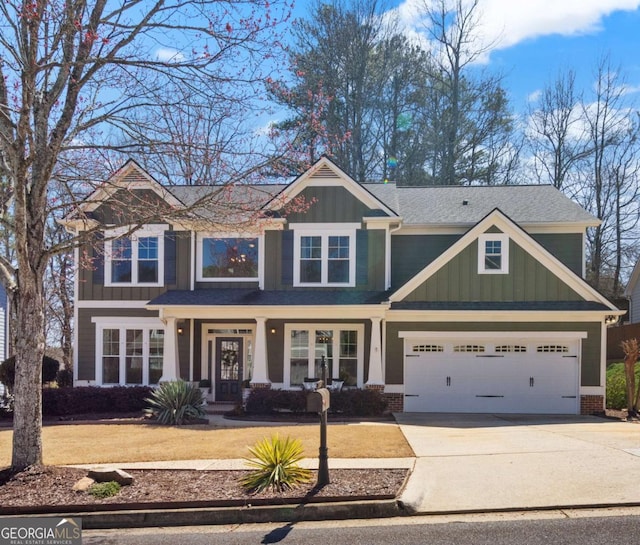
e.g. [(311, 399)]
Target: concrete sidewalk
[(503, 462)]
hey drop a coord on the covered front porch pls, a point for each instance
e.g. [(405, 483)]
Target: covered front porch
[(271, 346)]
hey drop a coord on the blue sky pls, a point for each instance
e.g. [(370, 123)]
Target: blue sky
[(534, 39)]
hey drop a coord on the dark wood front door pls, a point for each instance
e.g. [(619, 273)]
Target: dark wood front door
[(228, 368)]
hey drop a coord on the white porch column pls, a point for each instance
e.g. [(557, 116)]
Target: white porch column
[(260, 376), (375, 355), (170, 360)]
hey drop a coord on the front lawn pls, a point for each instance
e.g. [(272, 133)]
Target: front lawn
[(113, 443)]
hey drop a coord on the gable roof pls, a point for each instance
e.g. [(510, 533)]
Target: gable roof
[(326, 173), (633, 280), (498, 219), (444, 205)]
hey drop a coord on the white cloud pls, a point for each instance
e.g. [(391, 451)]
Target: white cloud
[(166, 54), (505, 23), (534, 96)]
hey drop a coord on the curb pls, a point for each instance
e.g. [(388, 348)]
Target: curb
[(140, 518)]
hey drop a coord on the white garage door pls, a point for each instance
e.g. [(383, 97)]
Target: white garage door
[(492, 375)]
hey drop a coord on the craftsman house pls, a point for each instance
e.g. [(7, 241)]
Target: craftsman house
[(448, 299)]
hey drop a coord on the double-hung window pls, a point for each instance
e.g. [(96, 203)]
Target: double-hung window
[(135, 259), (493, 254), (324, 257), (129, 354)]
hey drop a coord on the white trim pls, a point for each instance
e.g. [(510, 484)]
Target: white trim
[(496, 316), (226, 235), (603, 353), (309, 326), (122, 324), (147, 231), (76, 307), (504, 253), (394, 388), (324, 231), (530, 335), (593, 390), (192, 326), (461, 228), (520, 237), (192, 272), (92, 303), (309, 179)]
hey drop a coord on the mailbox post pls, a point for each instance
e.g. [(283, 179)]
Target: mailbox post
[(319, 402)]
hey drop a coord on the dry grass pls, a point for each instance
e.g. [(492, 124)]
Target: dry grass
[(106, 443)]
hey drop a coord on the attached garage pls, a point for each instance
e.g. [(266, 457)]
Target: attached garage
[(536, 372)]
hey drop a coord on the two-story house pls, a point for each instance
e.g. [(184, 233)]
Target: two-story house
[(448, 299)]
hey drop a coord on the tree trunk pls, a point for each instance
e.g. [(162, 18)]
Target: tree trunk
[(29, 350)]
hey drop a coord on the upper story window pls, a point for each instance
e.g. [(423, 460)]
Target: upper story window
[(135, 259), (493, 253), (227, 258), (324, 255)]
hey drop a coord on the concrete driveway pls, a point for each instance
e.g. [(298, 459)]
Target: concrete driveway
[(483, 462)]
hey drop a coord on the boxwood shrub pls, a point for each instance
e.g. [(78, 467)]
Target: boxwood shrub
[(352, 402), (91, 399)]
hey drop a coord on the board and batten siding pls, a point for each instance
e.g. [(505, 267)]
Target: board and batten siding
[(86, 335), (329, 205), (528, 280), (591, 346), (91, 283), (566, 247)]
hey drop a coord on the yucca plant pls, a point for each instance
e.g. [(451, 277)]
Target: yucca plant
[(175, 403), (275, 462)]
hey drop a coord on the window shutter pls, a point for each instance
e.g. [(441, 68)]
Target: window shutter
[(98, 259), (170, 275), (287, 258), (362, 257)]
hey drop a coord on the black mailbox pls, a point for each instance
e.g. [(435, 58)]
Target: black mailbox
[(318, 401)]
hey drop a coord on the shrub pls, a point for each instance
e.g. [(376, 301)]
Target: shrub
[(275, 465), (104, 490), (616, 385), (64, 378), (175, 403), (346, 402), (50, 368), (91, 399), (266, 401)]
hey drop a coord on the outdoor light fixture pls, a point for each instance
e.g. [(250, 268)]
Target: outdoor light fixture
[(180, 331)]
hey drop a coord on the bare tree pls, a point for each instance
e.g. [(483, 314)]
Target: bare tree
[(76, 78), (555, 133)]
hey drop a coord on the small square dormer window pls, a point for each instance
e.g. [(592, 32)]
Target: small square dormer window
[(493, 254)]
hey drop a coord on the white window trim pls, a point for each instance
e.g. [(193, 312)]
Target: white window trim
[(199, 240), (122, 324), (336, 344), (504, 243), (324, 231), (146, 231)]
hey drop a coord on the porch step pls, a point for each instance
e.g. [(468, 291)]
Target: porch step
[(219, 407)]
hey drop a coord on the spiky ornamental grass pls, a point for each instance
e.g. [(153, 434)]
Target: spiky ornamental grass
[(175, 403), (275, 462)]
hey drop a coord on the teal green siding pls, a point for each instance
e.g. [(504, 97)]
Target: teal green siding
[(329, 205), (567, 247), (527, 280), (412, 253), (591, 346), (126, 207)]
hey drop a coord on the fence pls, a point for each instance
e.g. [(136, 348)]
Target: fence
[(615, 336)]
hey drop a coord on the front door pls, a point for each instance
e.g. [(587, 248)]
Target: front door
[(228, 368)]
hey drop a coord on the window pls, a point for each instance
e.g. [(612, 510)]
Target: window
[(227, 258), (324, 258), (340, 347), (511, 348), (428, 348), (130, 355), (552, 348), (135, 259), (493, 254), (468, 348)]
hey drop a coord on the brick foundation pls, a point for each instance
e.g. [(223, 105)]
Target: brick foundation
[(395, 402), (377, 387), (591, 404)]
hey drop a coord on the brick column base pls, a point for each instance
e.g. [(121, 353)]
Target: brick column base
[(591, 404), (395, 402), (260, 385), (377, 387)]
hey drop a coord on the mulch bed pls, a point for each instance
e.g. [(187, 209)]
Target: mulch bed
[(49, 489)]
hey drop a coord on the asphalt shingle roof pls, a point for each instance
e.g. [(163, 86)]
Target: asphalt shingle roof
[(250, 296)]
